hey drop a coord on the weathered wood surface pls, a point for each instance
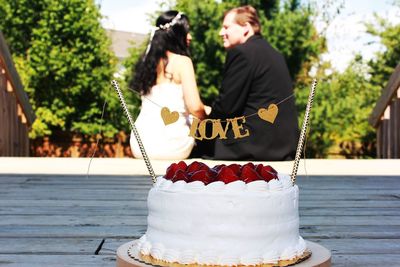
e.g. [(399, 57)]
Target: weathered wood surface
[(16, 114), (386, 97), (386, 118), (61, 220), (8, 64)]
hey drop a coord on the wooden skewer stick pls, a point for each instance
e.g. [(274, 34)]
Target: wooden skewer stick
[(303, 131), (134, 130)]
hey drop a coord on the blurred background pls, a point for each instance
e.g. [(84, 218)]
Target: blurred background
[(57, 59)]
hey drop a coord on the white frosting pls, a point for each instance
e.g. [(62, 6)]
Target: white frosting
[(224, 224), (157, 251)]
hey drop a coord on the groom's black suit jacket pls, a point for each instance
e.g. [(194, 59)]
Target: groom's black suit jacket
[(255, 76)]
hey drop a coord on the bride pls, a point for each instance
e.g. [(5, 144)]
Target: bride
[(165, 77)]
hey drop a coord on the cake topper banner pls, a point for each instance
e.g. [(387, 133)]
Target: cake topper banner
[(220, 128), (268, 115), (168, 116)]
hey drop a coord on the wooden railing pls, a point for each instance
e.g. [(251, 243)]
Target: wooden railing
[(386, 118), (16, 114)]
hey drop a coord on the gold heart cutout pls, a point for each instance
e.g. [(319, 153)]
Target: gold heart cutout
[(168, 116), (268, 114)]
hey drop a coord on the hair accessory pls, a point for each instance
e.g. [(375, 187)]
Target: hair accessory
[(153, 31), (164, 27)]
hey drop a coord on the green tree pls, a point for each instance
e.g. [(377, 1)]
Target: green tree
[(207, 51), (344, 101), (62, 54), (386, 60), (132, 96), (288, 27), (339, 118), (19, 18)]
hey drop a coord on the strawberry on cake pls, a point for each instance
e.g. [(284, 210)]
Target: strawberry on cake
[(227, 215)]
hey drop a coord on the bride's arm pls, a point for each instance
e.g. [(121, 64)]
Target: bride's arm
[(191, 94)]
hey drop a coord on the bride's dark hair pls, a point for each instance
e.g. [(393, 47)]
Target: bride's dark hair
[(167, 37)]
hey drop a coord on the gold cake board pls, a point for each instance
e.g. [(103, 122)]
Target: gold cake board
[(320, 257)]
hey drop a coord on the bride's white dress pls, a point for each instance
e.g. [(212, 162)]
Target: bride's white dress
[(162, 141)]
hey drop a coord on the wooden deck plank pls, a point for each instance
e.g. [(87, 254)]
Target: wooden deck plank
[(59, 220), (98, 190), (72, 246), (353, 246), (136, 204), (141, 210), (363, 261), (134, 231), (22, 260), (109, 220), (79, 231)]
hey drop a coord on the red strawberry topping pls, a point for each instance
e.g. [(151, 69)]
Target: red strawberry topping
[(226, 175), (182, 165), (201, 175), (173, 168), (180, 175), (194, 166), (218, 167), (235, 168), (267, 174), (198, 171), (250, 164), (249, 174), (171, 171), (213, 174), (270, 169), (258, 168)]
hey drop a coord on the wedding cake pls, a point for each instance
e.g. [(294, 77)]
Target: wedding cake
[(226, 215)]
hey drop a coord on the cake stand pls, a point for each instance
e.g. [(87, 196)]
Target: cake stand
[(320, 257)]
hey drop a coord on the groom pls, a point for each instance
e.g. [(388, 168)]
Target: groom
[(255, 76)]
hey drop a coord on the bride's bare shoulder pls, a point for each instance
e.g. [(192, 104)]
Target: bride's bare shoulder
[(181, 59)]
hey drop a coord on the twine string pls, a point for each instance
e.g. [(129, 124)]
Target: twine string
[(183, 113), (134, 130), (97, 139), (303, 132)]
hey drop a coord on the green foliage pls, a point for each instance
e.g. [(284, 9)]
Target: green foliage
[(47, 119), (287, 27), (343, 102), (207, 51), (339, 118), (18, 19), (132, 96), (291, 32), (62, 54), (386, 61)]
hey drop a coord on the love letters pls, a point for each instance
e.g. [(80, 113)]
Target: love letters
[(219, 129)]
